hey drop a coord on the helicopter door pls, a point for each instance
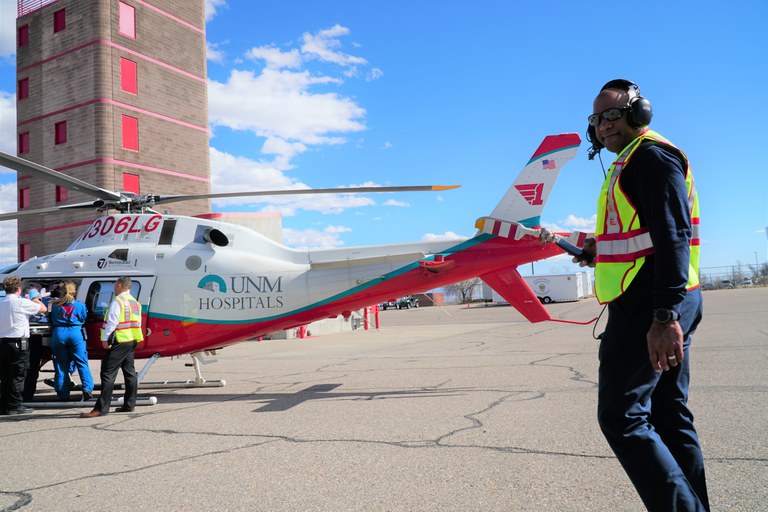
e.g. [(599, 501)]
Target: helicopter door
[(98, 295)]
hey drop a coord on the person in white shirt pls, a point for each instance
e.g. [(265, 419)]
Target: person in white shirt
[(14, 345)]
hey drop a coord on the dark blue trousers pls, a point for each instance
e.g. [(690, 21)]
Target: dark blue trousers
[(644, 414)]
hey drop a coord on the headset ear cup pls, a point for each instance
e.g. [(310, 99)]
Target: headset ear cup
[(592, 138), (640, 113)]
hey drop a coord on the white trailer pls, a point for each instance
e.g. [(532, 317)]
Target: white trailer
[(552, 288)]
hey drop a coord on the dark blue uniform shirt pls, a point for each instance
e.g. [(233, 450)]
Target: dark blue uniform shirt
[(654, 182)]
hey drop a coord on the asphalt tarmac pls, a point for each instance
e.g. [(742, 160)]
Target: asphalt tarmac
[(441, 409)]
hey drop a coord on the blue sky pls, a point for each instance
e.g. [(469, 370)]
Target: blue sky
[(333, 93)]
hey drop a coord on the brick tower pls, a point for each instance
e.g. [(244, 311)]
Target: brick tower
[(112, 92)]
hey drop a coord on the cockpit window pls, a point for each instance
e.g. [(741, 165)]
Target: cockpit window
[(166, 234), (101, 293), (119, 254)]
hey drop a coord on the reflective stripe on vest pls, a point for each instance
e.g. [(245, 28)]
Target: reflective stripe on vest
[(129, 326), (622, 243)]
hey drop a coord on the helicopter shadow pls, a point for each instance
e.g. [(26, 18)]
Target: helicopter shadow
[(279, 402)]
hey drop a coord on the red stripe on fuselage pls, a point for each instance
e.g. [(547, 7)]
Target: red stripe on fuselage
[(490, 255)]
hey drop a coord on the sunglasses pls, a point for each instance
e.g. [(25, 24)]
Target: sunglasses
[(609, 114)]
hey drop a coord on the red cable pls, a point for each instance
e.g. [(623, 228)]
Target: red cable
[(573, 321)]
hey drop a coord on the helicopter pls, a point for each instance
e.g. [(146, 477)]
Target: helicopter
[(205, 284)]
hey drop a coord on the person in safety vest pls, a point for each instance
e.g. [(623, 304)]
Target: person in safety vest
[(646, 258), (121, 333)]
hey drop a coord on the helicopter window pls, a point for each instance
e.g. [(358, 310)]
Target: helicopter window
[(166, 234), (119, 254), (11, 269), (101, 293)]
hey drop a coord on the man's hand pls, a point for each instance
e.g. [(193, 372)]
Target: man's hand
[(665, 345), (591, 247), (105, 345)]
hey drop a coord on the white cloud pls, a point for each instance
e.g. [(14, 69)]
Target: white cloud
[(7, 28), (275, 58), (8, 247), (394, 202), (279, 104), (7, 124), (291, 111), (212, 8), (323, 46), (314, 239), (448, 235), (213, 52), (580, 223), (374, 74), (231, 173)]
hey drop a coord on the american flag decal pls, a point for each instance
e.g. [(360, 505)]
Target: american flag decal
[(548, 163), (531, 193)]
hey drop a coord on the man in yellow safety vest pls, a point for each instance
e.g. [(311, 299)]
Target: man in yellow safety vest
[(646, 257), (121, 333)]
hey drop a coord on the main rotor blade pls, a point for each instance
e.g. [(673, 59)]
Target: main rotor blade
[(55, 177), (23, 213), (306, 191)]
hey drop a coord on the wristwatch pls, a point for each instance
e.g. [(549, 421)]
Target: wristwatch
[(663, 315)]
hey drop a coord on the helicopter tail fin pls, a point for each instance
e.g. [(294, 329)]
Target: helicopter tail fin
[(525, 199)]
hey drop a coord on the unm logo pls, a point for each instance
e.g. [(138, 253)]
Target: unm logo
[(213, 283)]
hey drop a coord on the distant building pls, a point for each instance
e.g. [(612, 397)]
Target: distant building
[(113, 93)]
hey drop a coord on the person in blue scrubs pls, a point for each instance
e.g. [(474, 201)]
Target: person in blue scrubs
[(68, 343)]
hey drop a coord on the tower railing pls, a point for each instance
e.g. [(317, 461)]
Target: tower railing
[(25, 7)]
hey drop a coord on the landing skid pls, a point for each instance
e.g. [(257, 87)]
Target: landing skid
[(198, 382), (116, 402)]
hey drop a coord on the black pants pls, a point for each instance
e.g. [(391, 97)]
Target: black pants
[(35, 357), (644, 413), (14, 363), (120, 356)]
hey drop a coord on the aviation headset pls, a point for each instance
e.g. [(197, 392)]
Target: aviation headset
[(639, 114)]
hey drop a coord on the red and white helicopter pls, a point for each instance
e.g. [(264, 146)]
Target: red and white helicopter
[(205, 284)]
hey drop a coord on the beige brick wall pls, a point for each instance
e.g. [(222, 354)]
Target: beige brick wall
[(161, 38), (88, 72)]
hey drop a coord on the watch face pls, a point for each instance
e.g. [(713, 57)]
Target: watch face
[(662, 315)]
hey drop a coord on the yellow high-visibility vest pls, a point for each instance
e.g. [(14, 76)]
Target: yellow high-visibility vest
[(129, 326), (622, 243)]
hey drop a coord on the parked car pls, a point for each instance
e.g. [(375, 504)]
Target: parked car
[(746, 282), (407, 302)]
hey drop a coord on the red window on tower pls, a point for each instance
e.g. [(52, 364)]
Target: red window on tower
[(61, 132), (127, 21), (24, 252), (131, 183), (62, 194), (23, 143), (23, 89), (23, 198), (128, 81), (130, 133), (59, 20), (23, 36)]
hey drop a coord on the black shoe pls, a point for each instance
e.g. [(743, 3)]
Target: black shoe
[(20, 410), (49, 382), (124, 408), (87, 395)]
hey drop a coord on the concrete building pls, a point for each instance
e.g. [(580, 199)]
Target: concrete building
[(112, 92)]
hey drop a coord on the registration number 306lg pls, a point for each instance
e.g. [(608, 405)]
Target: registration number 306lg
[(124, 224)]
